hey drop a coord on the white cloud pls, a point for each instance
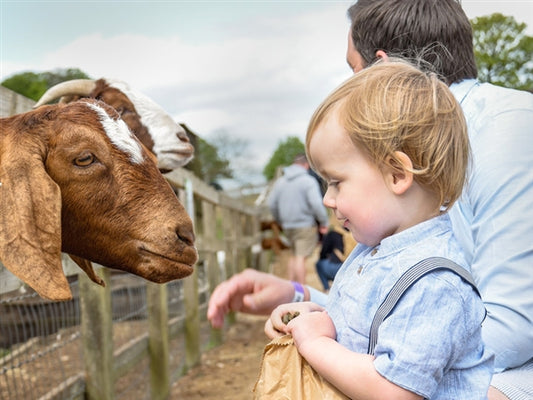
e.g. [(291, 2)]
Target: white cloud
[(286, 51), (521, 10), (204, 119)]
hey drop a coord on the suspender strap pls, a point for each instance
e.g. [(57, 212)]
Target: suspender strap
[(409, 278)]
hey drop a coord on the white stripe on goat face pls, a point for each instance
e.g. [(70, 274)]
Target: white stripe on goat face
[(119, 134)]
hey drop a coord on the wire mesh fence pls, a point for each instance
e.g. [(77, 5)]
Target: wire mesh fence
[(40, 340), (39, 343)]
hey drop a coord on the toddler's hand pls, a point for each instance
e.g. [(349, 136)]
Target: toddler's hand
[(308, 327), (276, 325)]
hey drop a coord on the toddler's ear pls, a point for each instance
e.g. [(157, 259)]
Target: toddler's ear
[(398, 175)]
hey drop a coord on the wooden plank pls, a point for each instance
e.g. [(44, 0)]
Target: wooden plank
[(72, 388), (97, 336), (192, 321), (190, 289), (209, 220), (129, 355), (158, 341)]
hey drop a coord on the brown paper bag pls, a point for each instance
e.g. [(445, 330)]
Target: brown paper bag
[(285, 375)]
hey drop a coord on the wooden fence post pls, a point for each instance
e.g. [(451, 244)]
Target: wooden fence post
[(192, 320), (230, 248), (210, 227), (97, 336), (190, 292), (228, 225), (158, 340)]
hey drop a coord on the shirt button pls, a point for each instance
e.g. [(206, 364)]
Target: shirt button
[(373, 253)]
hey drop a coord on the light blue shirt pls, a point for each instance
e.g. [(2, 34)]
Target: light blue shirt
[(431, 343), (493, 220)]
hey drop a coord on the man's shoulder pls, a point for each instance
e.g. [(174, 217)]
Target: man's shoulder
[(515, 98), (493, 99)]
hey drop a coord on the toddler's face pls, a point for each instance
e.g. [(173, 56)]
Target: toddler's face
[(357, 191)]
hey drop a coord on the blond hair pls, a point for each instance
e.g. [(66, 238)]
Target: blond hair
[(394, 107)]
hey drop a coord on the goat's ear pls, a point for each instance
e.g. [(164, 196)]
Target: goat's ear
[(88, 268), (30, 222)]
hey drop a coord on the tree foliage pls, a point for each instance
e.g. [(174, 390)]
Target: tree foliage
[(283, 155), (33, 85), (236, 151), (212, 166), (207, 163), (503, 51), (229, 147)]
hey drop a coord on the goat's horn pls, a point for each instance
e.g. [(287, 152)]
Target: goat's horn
[(81, 87)]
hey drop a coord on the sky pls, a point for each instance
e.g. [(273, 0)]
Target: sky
[(254, 70)]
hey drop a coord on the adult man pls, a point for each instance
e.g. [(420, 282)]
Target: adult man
[(296, 204), (494, 218)]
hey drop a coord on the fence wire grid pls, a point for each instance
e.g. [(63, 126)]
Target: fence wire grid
[(40, 340)]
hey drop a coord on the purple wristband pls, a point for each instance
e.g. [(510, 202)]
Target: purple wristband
[(298, 292)]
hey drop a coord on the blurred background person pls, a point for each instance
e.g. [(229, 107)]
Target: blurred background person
[(337, 244), (296, 204)]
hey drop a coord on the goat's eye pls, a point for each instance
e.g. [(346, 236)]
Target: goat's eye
[(85, 160)]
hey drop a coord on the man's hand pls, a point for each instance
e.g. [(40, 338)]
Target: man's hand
[(250, 292)]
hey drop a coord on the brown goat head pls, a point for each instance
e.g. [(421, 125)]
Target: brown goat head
[(74, 179)]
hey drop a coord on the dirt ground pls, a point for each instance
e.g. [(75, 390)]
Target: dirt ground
[(229, 371)]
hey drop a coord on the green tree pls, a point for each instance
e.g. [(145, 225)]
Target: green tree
[(28, 84), (207, 163), (212, 165), (235, 150), (503, 51), (33, 85), (283, 155)]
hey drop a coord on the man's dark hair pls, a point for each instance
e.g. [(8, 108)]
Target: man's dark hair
[(434, 32)]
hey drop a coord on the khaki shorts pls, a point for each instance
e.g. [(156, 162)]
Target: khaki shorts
[(302, 240)]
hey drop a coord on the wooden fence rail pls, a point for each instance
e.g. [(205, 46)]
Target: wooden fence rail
[(228, 239)]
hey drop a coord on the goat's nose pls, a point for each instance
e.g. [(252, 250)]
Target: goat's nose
[(186, 235)]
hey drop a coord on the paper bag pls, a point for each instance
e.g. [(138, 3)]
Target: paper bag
[(286, 375)]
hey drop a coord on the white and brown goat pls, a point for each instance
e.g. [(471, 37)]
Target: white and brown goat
[(74, 179), (147, 120)]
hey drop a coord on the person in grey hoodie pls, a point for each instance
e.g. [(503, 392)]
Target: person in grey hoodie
[(296, 204)]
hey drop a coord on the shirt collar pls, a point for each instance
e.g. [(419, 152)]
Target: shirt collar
[(461, 89), (399, 241)]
